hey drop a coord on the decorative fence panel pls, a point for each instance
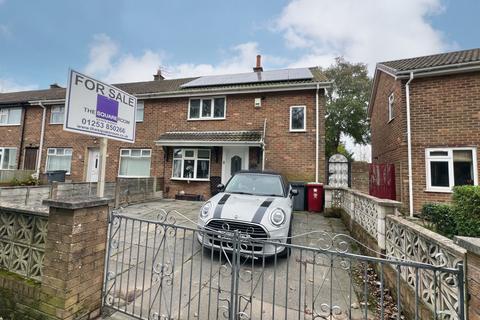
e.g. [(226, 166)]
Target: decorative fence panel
[(22, 242)]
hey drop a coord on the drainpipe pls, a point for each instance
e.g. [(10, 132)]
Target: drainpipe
[(316, 133), (263, 143), (42, 133), (409, 147)]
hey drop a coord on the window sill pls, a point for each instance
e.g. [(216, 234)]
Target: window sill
[(56, 123), (438, 190), (119, 176), (303, 130), (206, 119), (10, 125), (184, 179)]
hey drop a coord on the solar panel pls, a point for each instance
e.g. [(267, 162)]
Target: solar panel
[(251, 77)]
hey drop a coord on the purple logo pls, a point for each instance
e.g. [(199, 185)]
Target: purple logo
[(107, 108)]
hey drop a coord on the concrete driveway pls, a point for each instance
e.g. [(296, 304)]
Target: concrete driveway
[(157, 272)]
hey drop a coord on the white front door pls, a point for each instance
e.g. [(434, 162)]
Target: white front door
[(93, 164), (234, 159)]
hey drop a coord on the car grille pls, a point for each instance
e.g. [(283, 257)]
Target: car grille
[(252, 230)]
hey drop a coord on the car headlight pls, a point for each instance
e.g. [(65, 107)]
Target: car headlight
[(205, 210), (277, 217)]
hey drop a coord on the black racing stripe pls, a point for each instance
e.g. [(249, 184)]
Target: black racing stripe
[(257, 218), (218, 209)]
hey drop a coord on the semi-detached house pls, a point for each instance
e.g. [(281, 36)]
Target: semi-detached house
[(425, 119), (191, 133)]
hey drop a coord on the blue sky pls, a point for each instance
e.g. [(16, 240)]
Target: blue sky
[(127, 40)]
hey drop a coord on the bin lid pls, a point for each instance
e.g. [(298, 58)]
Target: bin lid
[(314, 184), (297, 183)]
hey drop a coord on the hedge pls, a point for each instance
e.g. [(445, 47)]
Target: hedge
[(461, 218)]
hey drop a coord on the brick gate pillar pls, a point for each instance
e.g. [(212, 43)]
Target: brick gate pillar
[(472, 270), (74, 258)]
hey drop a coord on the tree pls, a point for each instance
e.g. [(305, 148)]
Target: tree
[(347, 100)]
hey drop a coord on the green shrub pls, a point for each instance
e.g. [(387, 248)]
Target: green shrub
[(461, 218), (441, 217), (466, 207)]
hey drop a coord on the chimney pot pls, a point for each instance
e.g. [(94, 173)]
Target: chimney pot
[(158, 76), (54, 86), (258, 67)]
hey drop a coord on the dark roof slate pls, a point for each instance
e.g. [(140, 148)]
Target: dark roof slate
[(435, 60), (146, 87), (215, 136)]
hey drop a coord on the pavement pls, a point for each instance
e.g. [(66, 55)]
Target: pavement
[(158, 270)]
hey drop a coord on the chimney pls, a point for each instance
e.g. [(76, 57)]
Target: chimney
[(55, 86), (258, 67), (158, 76)]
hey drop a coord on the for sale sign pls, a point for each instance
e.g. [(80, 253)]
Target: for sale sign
[(98, 109)]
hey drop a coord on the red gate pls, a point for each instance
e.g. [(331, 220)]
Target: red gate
[(382, 181)]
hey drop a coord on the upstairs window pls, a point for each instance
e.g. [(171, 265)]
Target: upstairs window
[(57, 115), (298, 118), (59, 159), (450, 167), (8, 158), (140, 111), (207, 109), (191, 164), (391, 100), (10, 116)]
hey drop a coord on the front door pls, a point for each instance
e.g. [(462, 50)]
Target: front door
[(234, 160), (93, 164), (30, 161)]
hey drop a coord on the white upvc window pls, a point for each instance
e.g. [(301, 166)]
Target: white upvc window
[(207, 108), (191, 164), (135, 163), (391, 102), (140, 111), (298, 118), (59, 159), (8, 158), (449, 167), (10, 116), (57, 114)]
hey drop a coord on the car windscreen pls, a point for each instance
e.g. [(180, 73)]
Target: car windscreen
[(256, 184)]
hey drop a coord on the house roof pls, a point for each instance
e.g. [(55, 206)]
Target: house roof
[(166, 87), (448, 59), (195, 138)]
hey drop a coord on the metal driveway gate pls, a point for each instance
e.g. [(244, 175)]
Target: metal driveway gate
[(157, 269), (339, 171)]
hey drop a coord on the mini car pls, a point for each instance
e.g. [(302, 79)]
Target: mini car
[(259, 205)]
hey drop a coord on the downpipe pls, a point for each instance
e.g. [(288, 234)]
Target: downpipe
[(409, 147)]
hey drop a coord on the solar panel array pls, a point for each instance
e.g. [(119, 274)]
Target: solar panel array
[(251, 77)]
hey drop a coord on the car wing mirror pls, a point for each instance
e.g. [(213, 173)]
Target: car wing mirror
[(294, 192), (220, 187)]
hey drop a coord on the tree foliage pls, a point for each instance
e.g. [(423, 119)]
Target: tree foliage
[(347, 100)]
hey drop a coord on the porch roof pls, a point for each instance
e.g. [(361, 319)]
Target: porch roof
[(210, 138)]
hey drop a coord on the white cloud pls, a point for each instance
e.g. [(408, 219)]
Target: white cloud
[(362, 31), (8, 85)]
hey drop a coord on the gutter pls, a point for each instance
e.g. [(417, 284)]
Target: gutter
[(409, 147), (316, 133)]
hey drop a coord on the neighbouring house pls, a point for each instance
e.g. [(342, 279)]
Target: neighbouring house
[(191, 133), (425, 120)]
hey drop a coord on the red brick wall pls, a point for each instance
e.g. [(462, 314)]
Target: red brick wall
[(292, 154), (445, 112)]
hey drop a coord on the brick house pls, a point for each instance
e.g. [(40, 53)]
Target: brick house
[(427, 109), (191, 133)]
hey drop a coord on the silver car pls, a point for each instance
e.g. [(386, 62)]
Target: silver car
[(258, 204)]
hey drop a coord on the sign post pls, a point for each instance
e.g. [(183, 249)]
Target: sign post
[(99, 109)]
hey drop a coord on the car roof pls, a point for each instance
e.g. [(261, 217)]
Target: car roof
[(268, 172)]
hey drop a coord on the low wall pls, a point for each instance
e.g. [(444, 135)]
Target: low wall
[(7, 176), (376, 223), (360, 176)]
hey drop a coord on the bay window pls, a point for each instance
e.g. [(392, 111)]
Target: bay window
[(191, 164), (135, 162), (207, 108), (449, 167), (10, 116), (8, 158), (59, 159)]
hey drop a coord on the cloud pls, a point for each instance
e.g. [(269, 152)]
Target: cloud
[(362, 31), (8, 85)]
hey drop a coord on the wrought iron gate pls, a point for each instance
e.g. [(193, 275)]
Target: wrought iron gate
[(338, 171), (157, 269)]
